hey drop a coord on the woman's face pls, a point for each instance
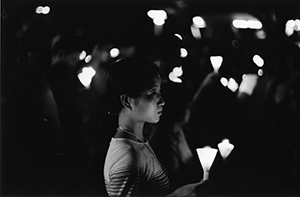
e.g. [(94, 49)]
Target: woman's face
[(149, 106)]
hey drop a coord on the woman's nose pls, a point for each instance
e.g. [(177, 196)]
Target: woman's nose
[(161, 101)]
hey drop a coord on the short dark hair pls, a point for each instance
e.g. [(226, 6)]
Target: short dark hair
[(129, 76)]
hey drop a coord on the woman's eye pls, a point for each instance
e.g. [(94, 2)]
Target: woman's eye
[(157, 94), (153, 93)]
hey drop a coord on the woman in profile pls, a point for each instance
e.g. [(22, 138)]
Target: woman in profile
[(131, 167)]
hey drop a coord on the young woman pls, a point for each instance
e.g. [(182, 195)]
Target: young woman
[(131, 167)]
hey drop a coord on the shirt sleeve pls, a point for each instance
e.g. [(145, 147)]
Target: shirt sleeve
[(124, 182), (124, 173)]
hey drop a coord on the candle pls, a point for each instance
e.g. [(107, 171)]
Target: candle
[(206, 156), (225, 148)]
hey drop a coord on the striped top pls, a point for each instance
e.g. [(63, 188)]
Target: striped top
[(132, 169)]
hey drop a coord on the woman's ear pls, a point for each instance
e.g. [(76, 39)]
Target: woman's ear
[(125, 100)]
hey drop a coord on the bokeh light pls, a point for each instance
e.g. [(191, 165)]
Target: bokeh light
[(174, 78), (241, 24), (254, 24), (42, 10), (245, 24), (114, 52), (258, 60), (88, 58), (232, 85), (158, 16), (178, 36), (225, 148), (196, 32), (260, 72), (82, 55), (39, 9), (86, 76), (224, 81), (248, 84), (261, 34), (183, 53), (46, 10), (199, 22), (178, 71), (291, 26)]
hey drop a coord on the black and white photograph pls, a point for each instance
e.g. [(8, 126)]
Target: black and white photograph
[(150, 98)]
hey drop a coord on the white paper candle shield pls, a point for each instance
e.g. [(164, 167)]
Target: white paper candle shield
[(225, 148), (206, 156), (216, 62)]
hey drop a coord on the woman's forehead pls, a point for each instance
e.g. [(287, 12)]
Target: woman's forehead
[(155, 82)]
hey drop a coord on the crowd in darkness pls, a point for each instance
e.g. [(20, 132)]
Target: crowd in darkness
[(55, 132)]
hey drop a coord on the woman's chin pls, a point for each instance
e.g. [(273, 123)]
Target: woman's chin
[(156, 120)]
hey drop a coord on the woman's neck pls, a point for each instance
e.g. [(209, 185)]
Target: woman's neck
[(132, 126)]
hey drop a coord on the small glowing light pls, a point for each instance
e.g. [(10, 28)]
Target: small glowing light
[(179, 36), (199, 22), (39, 9), (82, 55), (224, 81), (206, 156), (88, 59), (216, 62), (248, 84), (244, 24), (260, 72), (86, 76), (254, 24), (174, 78), (289, 27), (114, 52), (241, 24), (258, 60), (261, 34), (232, 85), (177, 71), (183, 52), (46, 10), (195, 32), (158, 16), (225, 148)]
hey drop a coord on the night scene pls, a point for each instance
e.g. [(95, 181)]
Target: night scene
[(150, 98)]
